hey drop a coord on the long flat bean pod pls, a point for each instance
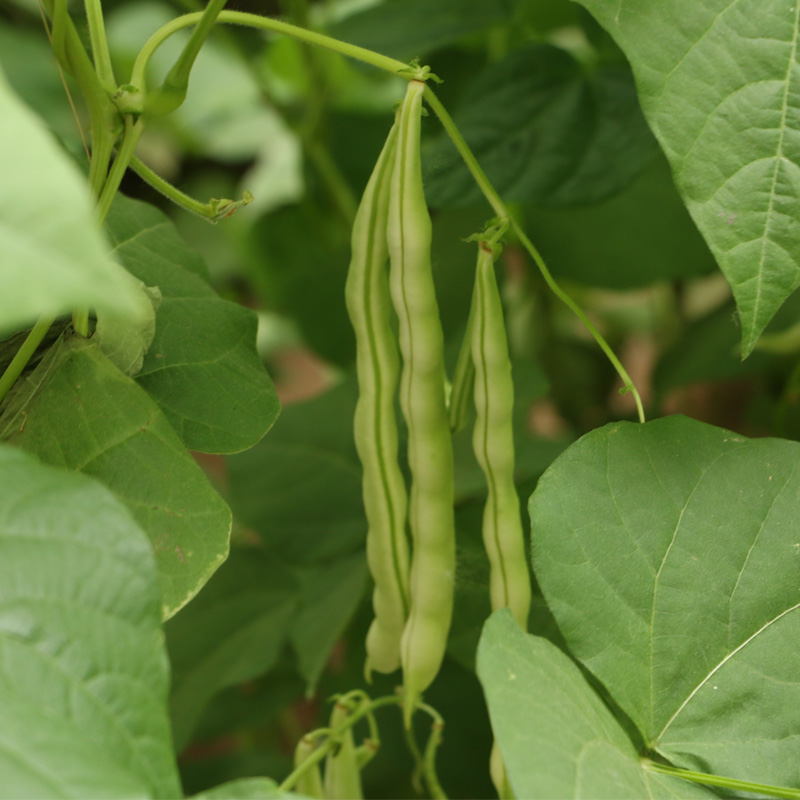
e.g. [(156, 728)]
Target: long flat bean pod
[(375, 426), (493, 441), (422, 400)]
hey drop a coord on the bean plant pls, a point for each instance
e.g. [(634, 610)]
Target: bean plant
[(529, 528)]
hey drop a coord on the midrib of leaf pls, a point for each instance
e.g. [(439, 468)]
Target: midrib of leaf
[(658, 575), (722, 664), (779, 158)]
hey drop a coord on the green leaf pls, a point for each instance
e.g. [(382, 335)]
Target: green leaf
[(202, 367), (546, 130), (668, 553), (53, 256), (300, 269), (641, 235), (300, 490), (246, 789), (414, 28), (79, 412), (27, 61), (557, 737), (718, 85), (309, 454), (84, 678), (708, 349), (232, 632), (125, 341), (330, 593)]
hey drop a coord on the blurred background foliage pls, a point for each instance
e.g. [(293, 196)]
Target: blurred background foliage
[(548, 104)]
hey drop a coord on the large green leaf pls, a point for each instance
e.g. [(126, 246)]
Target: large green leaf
[(557, 737), (546, 130), (80, 412), (300, 490), (718, 82), (414, 28), (300, 487), (231, 633), (83, 675), (637, 237), (202, 367), (52, 254), (329, 594), (668, 553), (303, 274), (28, 64)]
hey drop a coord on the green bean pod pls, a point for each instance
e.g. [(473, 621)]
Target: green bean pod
[(375, 426), (463, 379), (493, 441), (342, 773), (422, 400), (310, 782)]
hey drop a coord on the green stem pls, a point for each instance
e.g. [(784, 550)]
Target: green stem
[(502, 211), (314, 759), (24, 355), (431, 778), (396, 68), (80, 322), (212, 211), (124, 155), (429, 759), (59, 32), (367, 708), (99, 42), (717, 780), (262, 23), (102, 149), (173, 91), (416, 755), (103, 117)]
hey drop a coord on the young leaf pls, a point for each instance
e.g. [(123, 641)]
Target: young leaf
[(232, 632), (125, 341), (557, 737), (84, 677), (717, 82), (79, 412), (547, 131), (202, 367), (669, 555), (53, 256)]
